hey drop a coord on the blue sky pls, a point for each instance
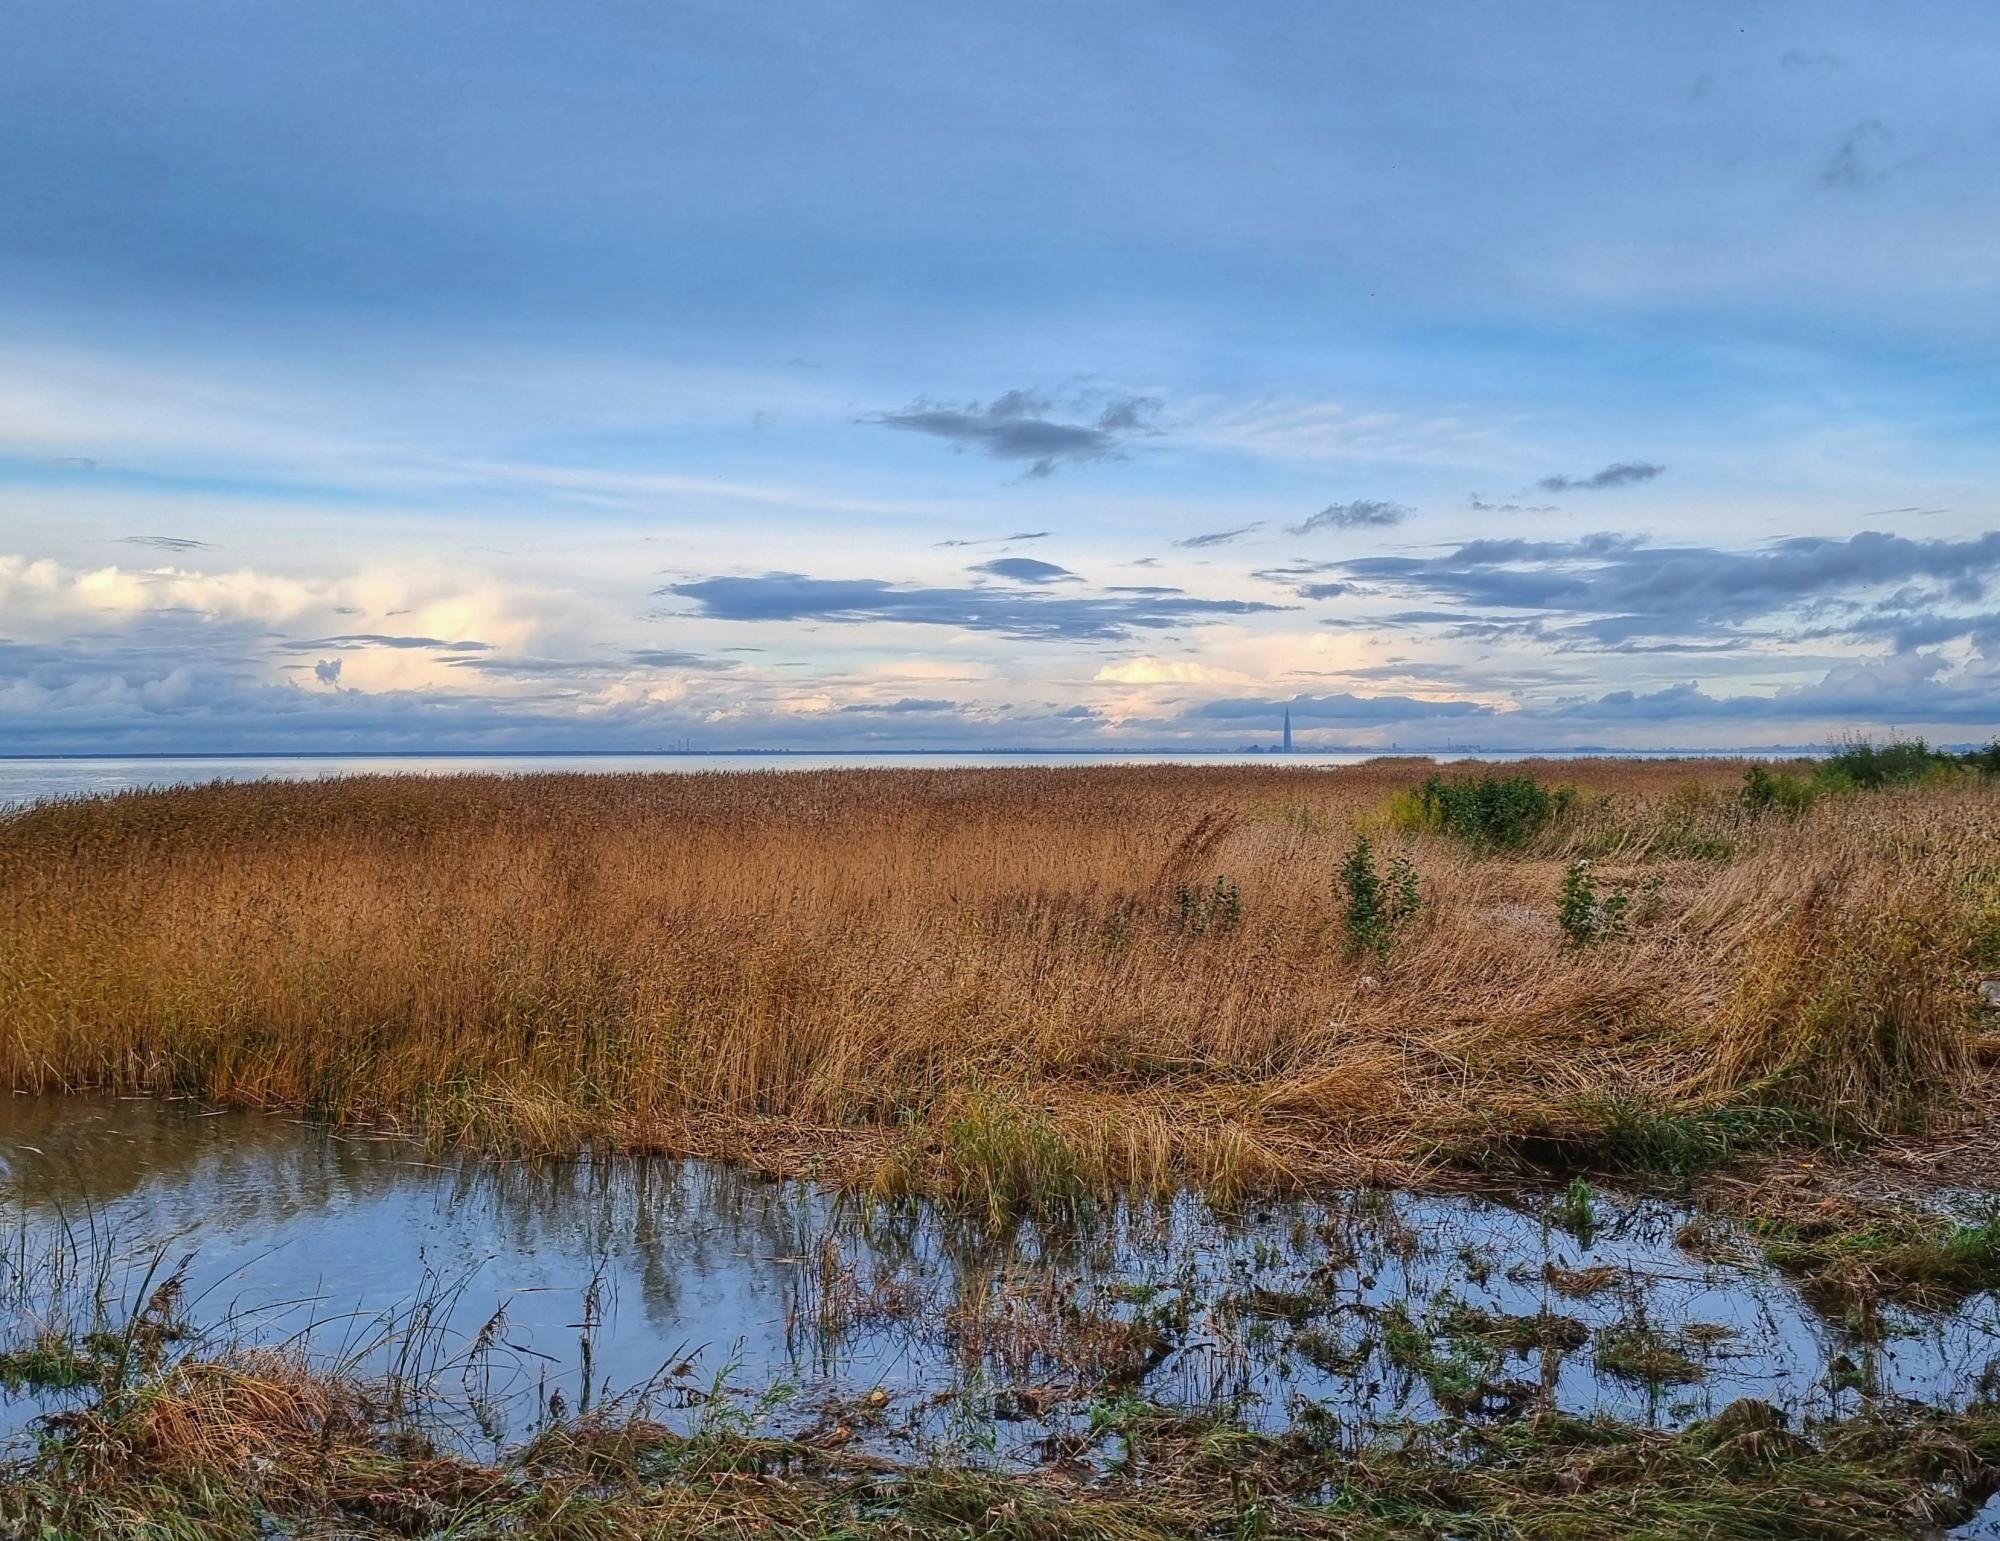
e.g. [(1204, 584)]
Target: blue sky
[(495, 375)]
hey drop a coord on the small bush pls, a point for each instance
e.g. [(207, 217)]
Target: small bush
[(1584, 914), (1869, 766), (1377, 907), (1199, 911), (1985, 760), (1861, 765), (1488, 811), (1764, 792)]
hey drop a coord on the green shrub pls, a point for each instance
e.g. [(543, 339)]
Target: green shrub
[(1860, 765), (1489, 811), (1199, 911), (1585, 915), (1986, 760), (1377, 907), (1764, 792), (1868, 766)]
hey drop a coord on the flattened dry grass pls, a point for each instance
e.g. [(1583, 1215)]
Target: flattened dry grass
[(978, 982)]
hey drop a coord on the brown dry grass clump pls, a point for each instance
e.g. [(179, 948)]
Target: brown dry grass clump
[(983, 982)]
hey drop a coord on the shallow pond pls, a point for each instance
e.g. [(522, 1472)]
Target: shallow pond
[(500, 1292)]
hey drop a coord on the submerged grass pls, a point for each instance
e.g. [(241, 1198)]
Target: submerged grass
[(992, 985)]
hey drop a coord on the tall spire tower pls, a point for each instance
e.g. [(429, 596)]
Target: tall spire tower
[(1288, 730)]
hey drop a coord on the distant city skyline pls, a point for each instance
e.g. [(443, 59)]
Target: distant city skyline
[(1153, 376)]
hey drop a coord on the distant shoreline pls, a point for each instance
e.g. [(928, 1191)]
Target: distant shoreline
[(1366, 751)]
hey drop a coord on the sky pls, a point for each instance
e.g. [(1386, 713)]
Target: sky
[(491, 375)]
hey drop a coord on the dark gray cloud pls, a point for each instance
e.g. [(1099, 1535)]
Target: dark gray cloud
[(1018, 426), (1025, 569), (359, 639), (1633, 588), (1623, 473), (1303, 579), (165, 542), (1023, 613), (1218, 537), (1362, 513), (327, 671)]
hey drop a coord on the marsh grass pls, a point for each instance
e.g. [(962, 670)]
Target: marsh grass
[(229, 1448), (1850, 1257), (986, 984)]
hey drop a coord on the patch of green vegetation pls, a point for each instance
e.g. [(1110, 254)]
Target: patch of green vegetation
[(1377, 907), (1198, 911), (1861, 765), (1489, 812), (1005, 1159), (1501, 1331), (1575, 1210), (1329, 1351), (1585, 915), (1849, 1260), (1637, 1351), (48, 1363), (1662, 1141)]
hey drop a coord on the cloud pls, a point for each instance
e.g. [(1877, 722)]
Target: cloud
[(1017, 426), (641, 658), (1853, 164), (999, 540), (1624, 473), (1362, 513), (1633, 588), (1218, 537), (903, 707), (1020, 613), (165, 542), (1811, 61), (360, 639), (1025, 569), (327, 671)]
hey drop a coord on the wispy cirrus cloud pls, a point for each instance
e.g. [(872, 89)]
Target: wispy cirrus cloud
[(174, 543), (1219, 537), (361, 639)]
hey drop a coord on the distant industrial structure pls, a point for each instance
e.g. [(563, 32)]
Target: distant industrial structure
[(1288, 730)]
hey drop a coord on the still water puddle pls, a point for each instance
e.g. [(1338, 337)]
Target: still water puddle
[(505, 1292)]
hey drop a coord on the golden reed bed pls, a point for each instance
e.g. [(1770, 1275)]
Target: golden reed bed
[(977, 981)]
